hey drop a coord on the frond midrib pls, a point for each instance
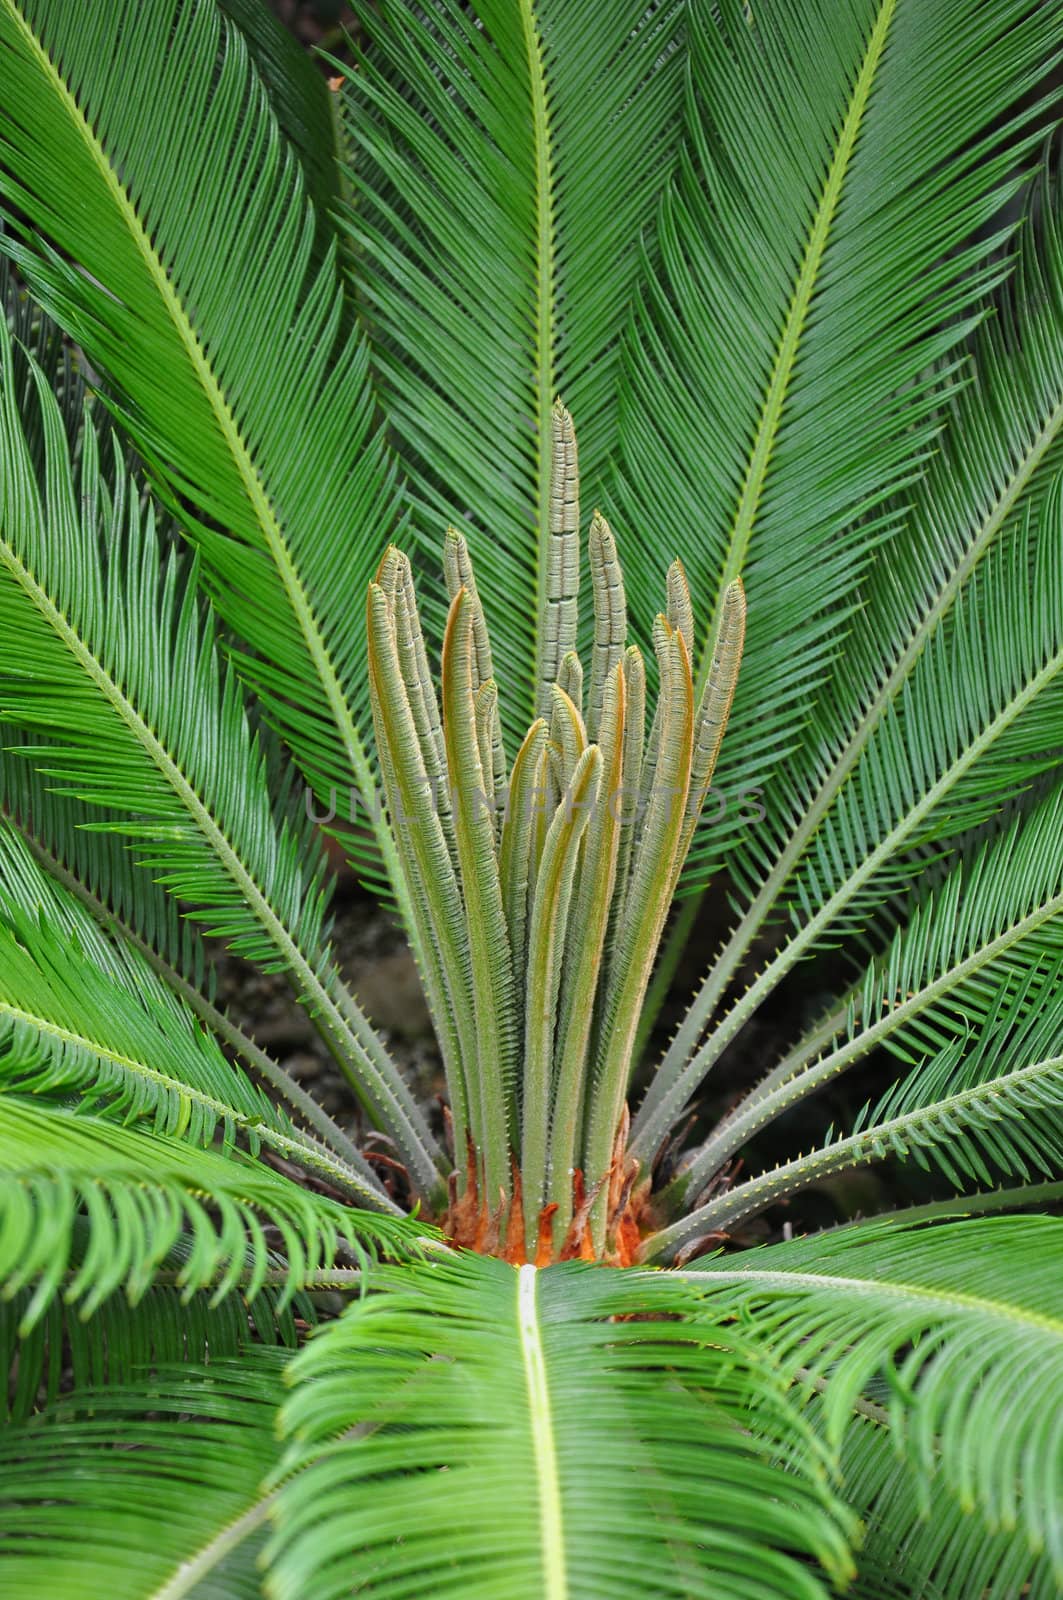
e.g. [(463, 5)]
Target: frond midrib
[(795, 947), (194, 1568), (761, 452), (234, 441), (544, 310), (301, 1151), (309, 980), (787, 1092), (551, 1521), (853, 1151), (847, 758), (884, 1288)]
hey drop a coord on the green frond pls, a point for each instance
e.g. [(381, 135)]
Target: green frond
[(145, 1194), (940, 763), (915, 1548), (1000, 908), (985, 1102), (1044, 1198), (937, 763), (1000, 452), (78, 1012), (299, 98), (609, 1411), (148, 1492), (994, 1067), (550, 130), (966, 1115), (62, 1352), (177, 246), (123, 898), (96, 864), (36, 341), (992, 923), (963, 1320), (778, 389), (105, 645)]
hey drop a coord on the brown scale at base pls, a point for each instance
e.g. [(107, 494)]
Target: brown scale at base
[(469, 1224)]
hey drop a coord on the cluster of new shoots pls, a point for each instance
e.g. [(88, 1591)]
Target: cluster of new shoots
[(540, 890)]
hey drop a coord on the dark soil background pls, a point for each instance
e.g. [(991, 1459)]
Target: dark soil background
[(315, 22)]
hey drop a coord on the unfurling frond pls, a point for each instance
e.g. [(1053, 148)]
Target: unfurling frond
[(541, 934)]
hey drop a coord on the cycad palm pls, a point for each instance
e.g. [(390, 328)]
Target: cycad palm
[(765, 256)]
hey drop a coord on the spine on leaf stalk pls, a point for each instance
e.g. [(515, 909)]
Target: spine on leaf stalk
[(541, 889)]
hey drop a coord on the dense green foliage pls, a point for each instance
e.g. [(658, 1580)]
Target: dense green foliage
[(797, 270)]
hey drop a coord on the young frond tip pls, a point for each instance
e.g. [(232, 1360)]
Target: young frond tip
[(544, 886)]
